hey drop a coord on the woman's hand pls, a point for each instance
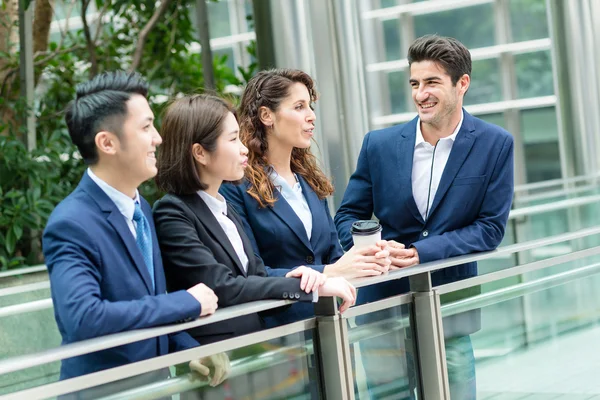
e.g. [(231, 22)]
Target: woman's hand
[(361, 262), (310, 279)]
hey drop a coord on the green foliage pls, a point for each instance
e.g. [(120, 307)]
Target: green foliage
[(32, 183)]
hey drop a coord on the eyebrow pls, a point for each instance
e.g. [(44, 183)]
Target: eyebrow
[(428, 79)]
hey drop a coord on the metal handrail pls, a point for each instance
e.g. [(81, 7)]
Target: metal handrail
[(28, 287), (554, 193), (556, 182), (118, 339), (554, 206), (109, 341), (23, 271), (274, 357)]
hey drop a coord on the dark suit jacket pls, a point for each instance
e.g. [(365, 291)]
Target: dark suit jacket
[(100, 284), (469, 211), (279, 238), (196, 250)]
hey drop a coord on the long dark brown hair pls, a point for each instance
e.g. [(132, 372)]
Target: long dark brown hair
[(268, 89)]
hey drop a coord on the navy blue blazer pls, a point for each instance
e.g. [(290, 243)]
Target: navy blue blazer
[(470, 208), (100, 284), (279, 238)]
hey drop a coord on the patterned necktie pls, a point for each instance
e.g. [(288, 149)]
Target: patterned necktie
[(144, 239)]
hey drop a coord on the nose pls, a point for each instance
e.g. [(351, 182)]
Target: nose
[(243, 149), (421, 93), (157, 139), (311, 115)]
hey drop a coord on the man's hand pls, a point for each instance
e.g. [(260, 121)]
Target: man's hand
[(341, 288), (359, 262), (218, 363), (206, 297), (400, 256), (310, 279)]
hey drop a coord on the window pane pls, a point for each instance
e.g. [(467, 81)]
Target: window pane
[(473, 26), (534, 74), (528, 20), (391, 35), (496, 119), (540, 137), (218, 16), (485, 82), (398, 85)]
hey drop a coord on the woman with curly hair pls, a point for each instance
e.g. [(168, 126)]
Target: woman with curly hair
[(282, 200)]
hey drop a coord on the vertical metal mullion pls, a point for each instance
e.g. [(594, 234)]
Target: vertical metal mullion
[(26, 72)]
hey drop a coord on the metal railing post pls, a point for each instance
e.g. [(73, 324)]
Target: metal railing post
[(429, 339), (332, 350)]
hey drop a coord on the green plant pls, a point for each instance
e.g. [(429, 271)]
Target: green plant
[(32, 183)]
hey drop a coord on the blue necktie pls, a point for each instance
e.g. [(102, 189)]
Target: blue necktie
[(144, 239)]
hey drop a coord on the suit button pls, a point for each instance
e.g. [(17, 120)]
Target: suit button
[(285, 295), (310, 259), (297, 295), (425, 233)]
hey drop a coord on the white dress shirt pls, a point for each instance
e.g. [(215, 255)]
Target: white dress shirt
[(295, 198), (124, 203), (428, 165), (218, 207)]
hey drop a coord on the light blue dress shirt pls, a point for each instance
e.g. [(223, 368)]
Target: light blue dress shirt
[(124, 203), (295, 198)]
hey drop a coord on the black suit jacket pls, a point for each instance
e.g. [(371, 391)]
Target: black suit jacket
[(195, 249)]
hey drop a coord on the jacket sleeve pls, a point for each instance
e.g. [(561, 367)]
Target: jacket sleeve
[(73, 261), (487, 231), (179, 341), (185, 253), (357, 203)]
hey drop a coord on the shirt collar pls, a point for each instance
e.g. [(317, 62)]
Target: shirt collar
[(420, 139), (217, 205), (281, 182), (124, 203)]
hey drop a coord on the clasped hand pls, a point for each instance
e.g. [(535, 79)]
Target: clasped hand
[(399, 255), (213, 369)]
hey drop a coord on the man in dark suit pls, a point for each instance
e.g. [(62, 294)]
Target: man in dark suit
[(100, 245), (441, 185)]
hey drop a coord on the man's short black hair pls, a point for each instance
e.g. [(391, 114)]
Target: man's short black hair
[(101, 105), (451, 54)]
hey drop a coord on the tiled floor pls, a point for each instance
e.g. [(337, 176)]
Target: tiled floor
[(567, 368)]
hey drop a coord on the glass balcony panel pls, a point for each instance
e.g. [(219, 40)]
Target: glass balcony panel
[(382, 354)]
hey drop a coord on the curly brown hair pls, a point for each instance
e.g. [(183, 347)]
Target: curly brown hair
[(268, 89)]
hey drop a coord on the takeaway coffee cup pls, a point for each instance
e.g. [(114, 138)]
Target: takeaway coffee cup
[(365, 233)]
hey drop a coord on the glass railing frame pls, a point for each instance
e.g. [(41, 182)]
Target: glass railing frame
[(334, 325)]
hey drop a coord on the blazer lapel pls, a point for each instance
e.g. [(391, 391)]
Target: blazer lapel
[(406, 151), (206, 217), (460, 150), (316, 210), (285, 212), (116, 219), (248, 249)]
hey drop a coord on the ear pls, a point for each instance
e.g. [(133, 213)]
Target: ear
[(463, 84), (106, 142), (266, 116), (200, 154)]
